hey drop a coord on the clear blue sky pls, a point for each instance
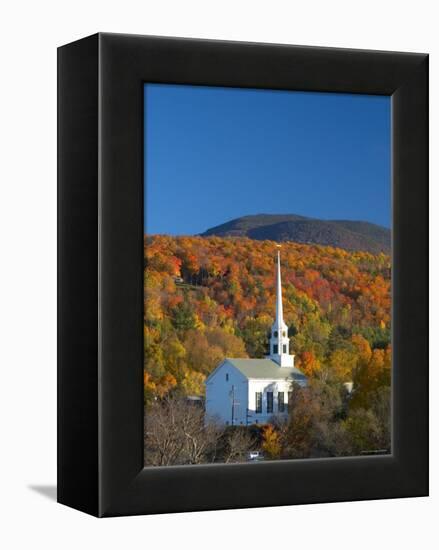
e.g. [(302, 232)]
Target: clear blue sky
[(214, 154)]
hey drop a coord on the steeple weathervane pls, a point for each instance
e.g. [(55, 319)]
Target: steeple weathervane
[(279, 341)]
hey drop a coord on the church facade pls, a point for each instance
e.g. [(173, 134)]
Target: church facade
[(241, 392)]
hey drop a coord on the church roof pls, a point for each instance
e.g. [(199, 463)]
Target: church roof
[(266, 369)]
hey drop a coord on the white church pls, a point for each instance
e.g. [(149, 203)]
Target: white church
[(241, 392)]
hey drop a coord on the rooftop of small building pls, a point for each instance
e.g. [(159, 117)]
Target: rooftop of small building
[(266, 369)]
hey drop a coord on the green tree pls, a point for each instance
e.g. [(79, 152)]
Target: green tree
[(255, 332), (183, 317)]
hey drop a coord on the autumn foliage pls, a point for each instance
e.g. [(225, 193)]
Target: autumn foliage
[(207, 298)]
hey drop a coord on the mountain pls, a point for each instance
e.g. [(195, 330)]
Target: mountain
[(351, 235)]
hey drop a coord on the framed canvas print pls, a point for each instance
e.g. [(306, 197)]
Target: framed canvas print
[(243, 260)]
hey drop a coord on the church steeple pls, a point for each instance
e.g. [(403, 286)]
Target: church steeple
[(279, 341), (279, 307)]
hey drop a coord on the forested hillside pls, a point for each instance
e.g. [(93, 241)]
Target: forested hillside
[(350, 235), (207, 298)]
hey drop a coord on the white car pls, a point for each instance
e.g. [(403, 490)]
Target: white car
[(255, 455)]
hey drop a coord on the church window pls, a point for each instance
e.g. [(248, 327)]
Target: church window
[(258, 402), (283, 334), (275, 348), (269, 402), (276, 334), (284, 348), (227, 377), (281, 401)]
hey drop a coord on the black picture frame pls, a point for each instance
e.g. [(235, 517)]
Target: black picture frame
[(100, 267)]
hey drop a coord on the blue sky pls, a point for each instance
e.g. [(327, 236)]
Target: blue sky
[(214, 154)]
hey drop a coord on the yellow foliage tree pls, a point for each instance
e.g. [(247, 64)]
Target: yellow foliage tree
[(342, 363), (193, 382), (271, 444), (362, 347)]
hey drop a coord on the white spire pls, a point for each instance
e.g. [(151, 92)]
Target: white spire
[(279, 341), (279, 308)]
